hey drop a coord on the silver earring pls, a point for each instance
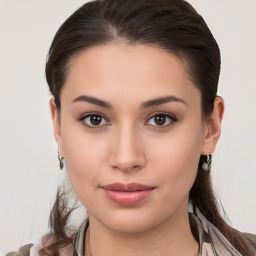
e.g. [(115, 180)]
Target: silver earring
[(60, 159), (207, 165)]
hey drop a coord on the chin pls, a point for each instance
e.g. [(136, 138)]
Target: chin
[(131, 226), (130, 220)]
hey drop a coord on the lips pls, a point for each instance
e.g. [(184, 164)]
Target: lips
[(127, 194), (127, 187)]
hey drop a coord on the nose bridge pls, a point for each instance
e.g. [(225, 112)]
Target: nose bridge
[(127, 150)]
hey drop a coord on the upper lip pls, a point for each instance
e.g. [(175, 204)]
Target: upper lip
[(127, 187)]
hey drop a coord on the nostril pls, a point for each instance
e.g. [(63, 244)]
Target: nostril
[(127, 165), (126, 151)]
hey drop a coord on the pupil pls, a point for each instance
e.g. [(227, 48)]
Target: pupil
[(160, 120), (95, 120)]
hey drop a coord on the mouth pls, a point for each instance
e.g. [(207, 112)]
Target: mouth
[(127, 194)]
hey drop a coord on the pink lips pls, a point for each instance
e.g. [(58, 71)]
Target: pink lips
[(127, 194)]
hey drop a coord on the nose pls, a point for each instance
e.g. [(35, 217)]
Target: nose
[(127, 152)]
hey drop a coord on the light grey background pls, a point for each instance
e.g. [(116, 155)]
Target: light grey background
[(29, 171)]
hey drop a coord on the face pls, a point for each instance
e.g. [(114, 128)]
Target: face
[(130, 114)]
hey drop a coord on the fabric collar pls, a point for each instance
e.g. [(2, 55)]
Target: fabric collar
[(211, 241)]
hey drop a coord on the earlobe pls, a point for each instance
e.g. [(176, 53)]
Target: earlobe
[(55, 122), (212, 129)]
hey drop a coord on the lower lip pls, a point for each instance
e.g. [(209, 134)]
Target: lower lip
[(128, 197)]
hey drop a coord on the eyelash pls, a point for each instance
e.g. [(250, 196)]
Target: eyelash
[(172, 119), (82, 119)]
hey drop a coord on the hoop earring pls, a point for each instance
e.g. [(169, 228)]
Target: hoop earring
[(207, 165), (60, 159)]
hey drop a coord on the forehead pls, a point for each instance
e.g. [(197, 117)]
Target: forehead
[(128, 71)]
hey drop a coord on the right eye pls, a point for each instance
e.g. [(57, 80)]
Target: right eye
[(94, 120)]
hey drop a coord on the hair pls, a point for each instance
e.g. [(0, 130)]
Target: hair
[(171, 25)]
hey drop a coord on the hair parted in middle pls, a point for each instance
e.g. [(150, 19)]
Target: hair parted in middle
[(171, 25)]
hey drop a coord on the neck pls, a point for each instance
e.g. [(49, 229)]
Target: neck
[(171, 237)]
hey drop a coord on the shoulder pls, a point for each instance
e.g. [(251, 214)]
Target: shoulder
[(251, 238), (33, 249), (23, 251)]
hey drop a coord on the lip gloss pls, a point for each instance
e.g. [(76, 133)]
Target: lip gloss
[(127, 198), (129, 194)]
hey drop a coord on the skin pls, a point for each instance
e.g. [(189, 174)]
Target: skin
[(130, 146)]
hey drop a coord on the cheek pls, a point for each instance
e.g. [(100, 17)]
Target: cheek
[(83, 159), (176, 159)]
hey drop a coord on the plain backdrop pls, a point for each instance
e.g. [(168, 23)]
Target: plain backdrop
[(29, 171)]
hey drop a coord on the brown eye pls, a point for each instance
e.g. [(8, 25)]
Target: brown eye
[(94, 120), (161, 120)]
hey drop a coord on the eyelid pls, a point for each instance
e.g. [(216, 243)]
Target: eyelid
[(170, 116), (82, 117)]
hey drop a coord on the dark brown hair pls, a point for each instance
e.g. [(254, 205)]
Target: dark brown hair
[(171, 25)]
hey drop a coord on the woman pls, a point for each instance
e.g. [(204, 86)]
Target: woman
[(136, 117)]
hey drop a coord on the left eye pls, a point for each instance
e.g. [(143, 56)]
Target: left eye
[(161, 120)]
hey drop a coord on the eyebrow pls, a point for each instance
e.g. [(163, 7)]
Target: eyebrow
[(93, 100), (161, 100), (146, 104)]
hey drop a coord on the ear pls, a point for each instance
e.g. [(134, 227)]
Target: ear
[(56, 124), (212, 127)]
